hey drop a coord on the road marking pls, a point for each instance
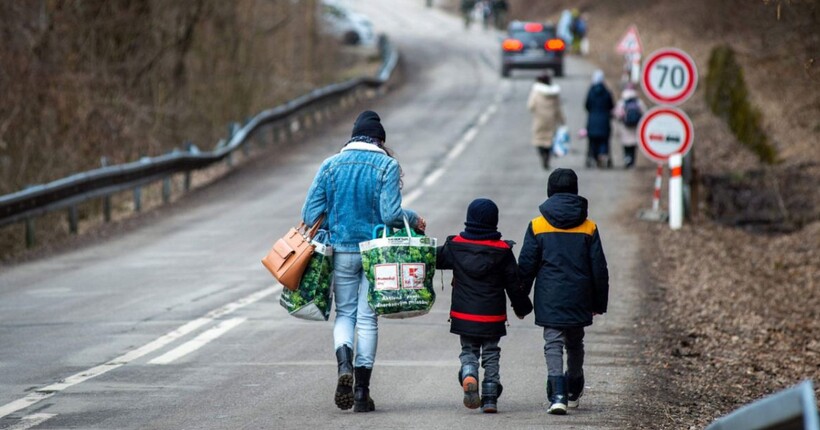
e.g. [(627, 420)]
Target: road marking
[(198, 342), (465, 141), (49, 390), (30, 421)]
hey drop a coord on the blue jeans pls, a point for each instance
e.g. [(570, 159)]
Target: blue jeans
[(353, 314)]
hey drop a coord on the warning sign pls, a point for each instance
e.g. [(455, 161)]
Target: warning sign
[(630, 43)]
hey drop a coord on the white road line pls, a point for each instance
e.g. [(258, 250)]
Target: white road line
[(198, 342), (49, 390), (459, 147), (30, 421)]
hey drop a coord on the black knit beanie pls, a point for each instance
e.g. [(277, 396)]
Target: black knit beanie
[(369, 124), (482, 221), (562, 181)]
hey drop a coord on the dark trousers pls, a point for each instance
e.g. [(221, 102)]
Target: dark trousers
[(545, 153), (598, 146), (484, 348), (555, 340)]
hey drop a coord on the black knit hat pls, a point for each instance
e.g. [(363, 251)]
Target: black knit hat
[(562, 181), (482, 221), (369, 124)]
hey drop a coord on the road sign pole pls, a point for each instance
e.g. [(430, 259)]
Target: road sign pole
[(675, 192), (656, 196)]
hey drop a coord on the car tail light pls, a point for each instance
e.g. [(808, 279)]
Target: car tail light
[(555, 45), (533, 27), (512, 45)]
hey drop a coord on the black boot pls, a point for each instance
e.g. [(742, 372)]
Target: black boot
[(557, 394), (361, 392), (468, 378), (344, 385), (490, 391), (575, 389)]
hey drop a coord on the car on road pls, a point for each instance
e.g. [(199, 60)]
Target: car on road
[(349, 27), (532, 45)]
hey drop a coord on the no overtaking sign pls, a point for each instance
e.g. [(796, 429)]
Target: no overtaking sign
[(664, 131)]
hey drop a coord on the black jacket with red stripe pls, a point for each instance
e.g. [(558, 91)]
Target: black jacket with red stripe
[(482, 271), (562, 252)]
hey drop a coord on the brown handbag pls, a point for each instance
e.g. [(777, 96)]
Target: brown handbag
[(290, 255)]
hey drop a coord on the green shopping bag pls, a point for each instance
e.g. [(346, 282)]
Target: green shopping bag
[(400, 268), (312, 299)]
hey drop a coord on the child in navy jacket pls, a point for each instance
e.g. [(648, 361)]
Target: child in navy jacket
[(484, 268), (562, 252)]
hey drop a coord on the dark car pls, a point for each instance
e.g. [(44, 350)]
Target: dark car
[(532, 45)]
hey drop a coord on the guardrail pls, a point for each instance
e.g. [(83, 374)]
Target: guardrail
[(791, 409), (283, 121)]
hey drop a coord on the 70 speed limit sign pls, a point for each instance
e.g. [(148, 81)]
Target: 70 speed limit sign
[(669, 76)]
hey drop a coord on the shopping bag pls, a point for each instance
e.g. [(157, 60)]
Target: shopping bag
[(312, 299), (399, 267), (560, 141)]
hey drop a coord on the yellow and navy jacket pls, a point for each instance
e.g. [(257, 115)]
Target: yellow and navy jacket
[(562, 253), (483, 270)]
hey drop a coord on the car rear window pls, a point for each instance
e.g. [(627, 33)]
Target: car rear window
[(540, 37)]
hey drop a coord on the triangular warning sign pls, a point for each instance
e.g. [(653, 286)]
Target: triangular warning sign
[(630, 43)]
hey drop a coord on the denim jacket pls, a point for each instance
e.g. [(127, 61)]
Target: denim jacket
[(358, 189)]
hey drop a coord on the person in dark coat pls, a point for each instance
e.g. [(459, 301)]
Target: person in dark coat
[(599, 107), (483, 268), (562, 253)]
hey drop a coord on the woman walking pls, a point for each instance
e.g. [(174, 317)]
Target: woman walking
[(544, 103), (357, 189), (599, 105)]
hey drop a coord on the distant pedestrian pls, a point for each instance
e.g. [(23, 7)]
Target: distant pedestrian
[(562, 253), (544, 103), (467, 7), (483, 268), (599, 107), (564, 27), (628, 112), (578, 27), (500, 10), (356, 189)]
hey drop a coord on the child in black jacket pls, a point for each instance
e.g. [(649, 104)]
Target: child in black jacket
[(562, 252), (484, 268)]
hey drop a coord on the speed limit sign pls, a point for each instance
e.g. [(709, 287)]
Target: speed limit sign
[(669, 76)]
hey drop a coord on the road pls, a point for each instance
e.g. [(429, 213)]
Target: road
[(176, 324)]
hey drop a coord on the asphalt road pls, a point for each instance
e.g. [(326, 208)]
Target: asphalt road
[(176, 325)]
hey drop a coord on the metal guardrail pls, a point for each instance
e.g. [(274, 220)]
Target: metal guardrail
[(794, 408), (67, 192)]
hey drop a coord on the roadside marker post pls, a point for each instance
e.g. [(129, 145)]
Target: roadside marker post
[(656, 197), (675, 192)]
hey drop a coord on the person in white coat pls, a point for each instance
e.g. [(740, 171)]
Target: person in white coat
[(544, 103)]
